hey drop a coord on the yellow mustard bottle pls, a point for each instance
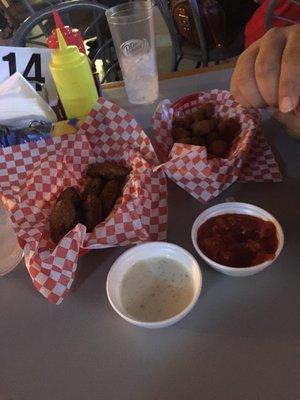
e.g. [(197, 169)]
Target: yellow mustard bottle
[(73, 79)]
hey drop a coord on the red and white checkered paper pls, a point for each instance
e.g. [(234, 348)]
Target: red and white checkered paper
[(33, 174), (250, 158)]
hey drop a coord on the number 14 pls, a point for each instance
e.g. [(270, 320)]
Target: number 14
[(35, 61)]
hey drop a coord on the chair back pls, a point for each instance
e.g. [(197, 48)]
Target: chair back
[(164, 8), (199, 29), (43, 21)]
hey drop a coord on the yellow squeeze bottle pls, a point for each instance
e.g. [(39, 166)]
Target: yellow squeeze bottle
[(73, 79)]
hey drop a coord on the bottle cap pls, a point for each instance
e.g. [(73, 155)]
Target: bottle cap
[(72, 36), (58, 22), (65, 54)]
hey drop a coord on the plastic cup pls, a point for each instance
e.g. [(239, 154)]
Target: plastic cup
[(132, 29), (10, 251)]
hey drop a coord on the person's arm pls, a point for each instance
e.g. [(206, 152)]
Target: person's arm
[(267, 74)]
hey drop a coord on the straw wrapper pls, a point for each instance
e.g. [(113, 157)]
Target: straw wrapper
[(250, 158), (33, 174)]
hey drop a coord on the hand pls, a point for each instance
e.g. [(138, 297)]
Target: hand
[(267, 74)]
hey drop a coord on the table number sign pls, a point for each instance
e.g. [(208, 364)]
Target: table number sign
[(33, 64)]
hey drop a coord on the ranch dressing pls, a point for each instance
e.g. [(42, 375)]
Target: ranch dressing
[(156, 289)]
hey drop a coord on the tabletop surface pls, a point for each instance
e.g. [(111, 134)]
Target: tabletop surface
[(240, 342)]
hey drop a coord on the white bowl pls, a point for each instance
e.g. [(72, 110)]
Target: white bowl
[(144, 252), (236, 208)]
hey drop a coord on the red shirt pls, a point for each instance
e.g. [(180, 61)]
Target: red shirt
[(256, 27)]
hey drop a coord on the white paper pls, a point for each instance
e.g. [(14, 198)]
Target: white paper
[(29, 61), (20, 103)]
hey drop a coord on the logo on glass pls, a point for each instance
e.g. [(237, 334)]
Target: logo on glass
[(134, 47)]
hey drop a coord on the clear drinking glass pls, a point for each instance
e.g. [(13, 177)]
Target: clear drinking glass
[(132, 29)]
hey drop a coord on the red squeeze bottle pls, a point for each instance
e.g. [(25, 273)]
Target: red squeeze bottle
[(72, 36)]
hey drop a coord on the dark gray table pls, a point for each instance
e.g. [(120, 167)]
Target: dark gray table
[(240, 342)]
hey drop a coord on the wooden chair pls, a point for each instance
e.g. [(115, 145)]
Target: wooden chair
[(200, 54)]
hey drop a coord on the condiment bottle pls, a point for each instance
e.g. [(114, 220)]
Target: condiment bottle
[(72, 36), (73, 79)]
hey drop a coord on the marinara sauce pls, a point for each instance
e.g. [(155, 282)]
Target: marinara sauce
[(238, 240)]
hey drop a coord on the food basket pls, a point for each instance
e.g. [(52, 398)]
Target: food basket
[(33, 174), (189, 166)]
